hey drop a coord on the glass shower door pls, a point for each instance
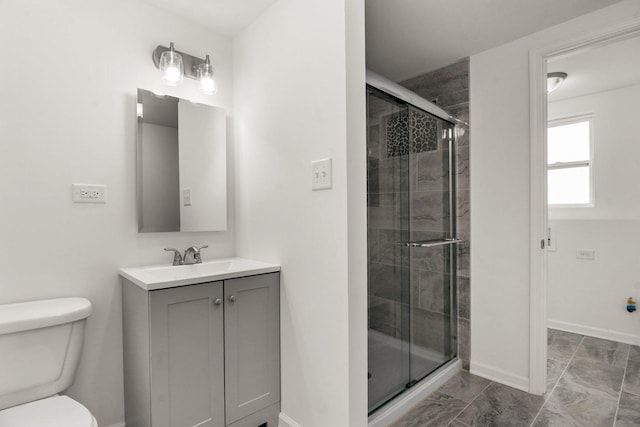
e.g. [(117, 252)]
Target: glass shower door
[(388, 259), (432, 244), (411, 251)]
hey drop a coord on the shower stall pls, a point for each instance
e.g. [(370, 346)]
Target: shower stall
[(411, 210)]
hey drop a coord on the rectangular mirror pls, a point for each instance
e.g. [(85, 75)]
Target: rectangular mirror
[(181, 165)]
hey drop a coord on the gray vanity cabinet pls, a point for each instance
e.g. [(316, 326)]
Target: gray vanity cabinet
[(252, 344), (204, 354), (187, 356)]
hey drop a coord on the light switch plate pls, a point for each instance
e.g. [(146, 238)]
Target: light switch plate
[(89, 193), (186, 197), (321, 174)]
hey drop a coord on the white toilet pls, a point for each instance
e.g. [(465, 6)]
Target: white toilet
[(40, 346)]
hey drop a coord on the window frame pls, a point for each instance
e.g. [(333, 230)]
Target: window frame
[(568, 120)]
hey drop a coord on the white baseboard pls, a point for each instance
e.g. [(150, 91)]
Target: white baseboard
[(120, 424), (606, 334), (499, 375), (286, 421)]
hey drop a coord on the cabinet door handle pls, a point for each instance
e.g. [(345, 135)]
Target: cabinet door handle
[(217, 301), (232, 298)]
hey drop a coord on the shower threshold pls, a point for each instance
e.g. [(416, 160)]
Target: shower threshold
[(393, 410)]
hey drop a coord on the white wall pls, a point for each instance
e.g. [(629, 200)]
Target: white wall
[(293, 97), (587, 296), (357, 210), (500, 198), (68, 94)]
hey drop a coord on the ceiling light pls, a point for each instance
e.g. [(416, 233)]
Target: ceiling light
[(175, 65), (554, 80)]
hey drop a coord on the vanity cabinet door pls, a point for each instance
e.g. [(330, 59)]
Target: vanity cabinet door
[(252, 344), (187, 356)]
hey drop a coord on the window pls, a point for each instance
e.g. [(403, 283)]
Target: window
[(569, 158)]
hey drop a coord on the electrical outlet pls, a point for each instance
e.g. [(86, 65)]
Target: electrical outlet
[(321, 174), (186, 197), (89, 193), (589, 254)]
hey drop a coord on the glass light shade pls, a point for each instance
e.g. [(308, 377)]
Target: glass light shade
[(554, 80), (205, 75), (171, 67)]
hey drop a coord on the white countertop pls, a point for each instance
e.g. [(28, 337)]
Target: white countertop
[(164, 276)]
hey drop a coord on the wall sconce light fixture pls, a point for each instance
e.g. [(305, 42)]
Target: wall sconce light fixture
[(554, 80), (174, 65), (205, 75), (170, 64)]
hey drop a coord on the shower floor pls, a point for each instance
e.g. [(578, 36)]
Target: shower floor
[(390, 367)]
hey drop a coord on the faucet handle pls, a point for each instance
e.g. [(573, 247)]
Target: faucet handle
[(196, 255), (192, 255), (177, 257)]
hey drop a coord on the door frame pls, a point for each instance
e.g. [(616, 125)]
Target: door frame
[(538, 182)]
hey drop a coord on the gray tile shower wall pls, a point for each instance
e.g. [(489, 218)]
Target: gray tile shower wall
[(448, 87)]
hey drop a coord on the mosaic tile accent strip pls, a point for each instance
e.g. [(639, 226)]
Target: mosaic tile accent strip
[(397, 134), (424, 132), (410, 132)]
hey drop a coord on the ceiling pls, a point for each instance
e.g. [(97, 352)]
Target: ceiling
[(598, 69), (226, 17), (406, 38)]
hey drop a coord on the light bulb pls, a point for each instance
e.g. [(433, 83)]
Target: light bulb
[(171, 67), (205, 75), (172, 75), (208, 85)]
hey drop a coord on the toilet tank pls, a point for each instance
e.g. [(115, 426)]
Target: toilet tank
[(40, 346)]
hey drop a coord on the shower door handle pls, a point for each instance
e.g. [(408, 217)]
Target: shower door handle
[(431, 243)]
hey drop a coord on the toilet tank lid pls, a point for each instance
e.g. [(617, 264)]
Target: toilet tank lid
[(28, 315)]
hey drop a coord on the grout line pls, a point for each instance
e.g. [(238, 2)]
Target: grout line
[(624, 375), (469, 404), (558, 380), (459, 422)]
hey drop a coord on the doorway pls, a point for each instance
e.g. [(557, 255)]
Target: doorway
[(593, 217), (584, 268)]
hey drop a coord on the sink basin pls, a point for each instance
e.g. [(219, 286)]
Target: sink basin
[(168, 276)]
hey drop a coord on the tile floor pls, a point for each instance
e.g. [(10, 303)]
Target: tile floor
[(591, 382)]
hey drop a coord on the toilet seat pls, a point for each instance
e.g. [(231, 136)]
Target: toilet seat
[(55, 411)]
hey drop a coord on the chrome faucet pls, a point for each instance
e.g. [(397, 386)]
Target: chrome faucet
[(177, 257), (192, 255)]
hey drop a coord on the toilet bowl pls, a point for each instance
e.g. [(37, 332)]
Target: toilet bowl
[(56, 411), (40, 346)]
